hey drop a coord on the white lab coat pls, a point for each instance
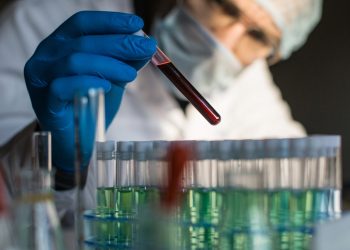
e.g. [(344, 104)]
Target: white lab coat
[(251, 107)]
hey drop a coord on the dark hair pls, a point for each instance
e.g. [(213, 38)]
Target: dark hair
[(149, 10)]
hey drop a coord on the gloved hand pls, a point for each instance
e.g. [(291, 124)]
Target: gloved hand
[(91, 49)]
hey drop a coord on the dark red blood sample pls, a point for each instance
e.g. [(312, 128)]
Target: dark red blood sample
[(186, 88), (177, 157)]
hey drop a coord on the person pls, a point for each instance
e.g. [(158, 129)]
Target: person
[(222, 46)]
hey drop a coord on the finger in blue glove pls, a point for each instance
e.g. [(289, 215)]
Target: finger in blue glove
[(91, 49)]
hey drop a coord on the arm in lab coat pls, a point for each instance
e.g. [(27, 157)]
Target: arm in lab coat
[(23, 24)]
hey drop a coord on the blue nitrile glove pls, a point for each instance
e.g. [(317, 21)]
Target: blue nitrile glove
[(91, 49)]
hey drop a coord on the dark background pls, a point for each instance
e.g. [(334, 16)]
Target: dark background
[(315, 81)]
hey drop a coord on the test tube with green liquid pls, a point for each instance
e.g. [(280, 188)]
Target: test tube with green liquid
[(106, 176), (105, 227), (145, 192), (124, 194)]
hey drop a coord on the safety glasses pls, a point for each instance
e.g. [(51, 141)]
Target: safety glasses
[(253, 30)]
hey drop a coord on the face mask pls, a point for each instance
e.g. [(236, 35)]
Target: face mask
[(207, 64)]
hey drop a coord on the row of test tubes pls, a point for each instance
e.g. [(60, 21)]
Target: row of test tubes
[(290, 184), (311, 162)]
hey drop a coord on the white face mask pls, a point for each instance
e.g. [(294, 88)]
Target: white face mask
[(207, 64)]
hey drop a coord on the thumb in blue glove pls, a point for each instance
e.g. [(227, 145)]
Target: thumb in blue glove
[(91, 49)]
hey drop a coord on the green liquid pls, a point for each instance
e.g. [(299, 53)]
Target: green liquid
[(238, 219), (252, 219), (200, 213), (299, 208), (245, 209), (105, 229), (146, 196), (245, 226), (125, 209), (105, 200), (202, 206), (289, 214), (119, 204), (124, 202)]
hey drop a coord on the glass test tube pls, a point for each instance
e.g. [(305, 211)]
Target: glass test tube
[(141, 162), (145, 193), (125, 194), (222, 157), (106, 176), (202, 165), (8, 239), (87, 111), (41, 150), (36, 222), (158, 165), (125, 179), (161, 61)]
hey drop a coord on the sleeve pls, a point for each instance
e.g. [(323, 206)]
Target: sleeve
[(23, 24), (266, 106), (15, 154), (252, 107), (260, 111), (16, 46)]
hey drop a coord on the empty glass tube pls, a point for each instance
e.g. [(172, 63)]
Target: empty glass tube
[(37, 225), (41, 150), (89, 127)]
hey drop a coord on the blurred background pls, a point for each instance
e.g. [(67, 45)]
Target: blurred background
[(315, 81)]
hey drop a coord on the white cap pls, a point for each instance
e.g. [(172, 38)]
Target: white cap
[(105, 150), (295, 18)]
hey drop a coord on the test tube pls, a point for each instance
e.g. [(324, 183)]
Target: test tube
[(41, 150), (142, 174), (202, 165), (222, 160), (88, 127), (162, 62), (158, 165), (125, 193), (145, 193), (106, 176), (125, 179)]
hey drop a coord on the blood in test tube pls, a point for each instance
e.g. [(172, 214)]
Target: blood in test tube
[(185, 87)]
